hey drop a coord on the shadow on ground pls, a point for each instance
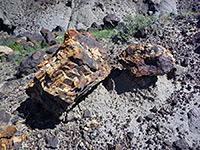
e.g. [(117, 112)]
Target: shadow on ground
[(36, 116), (125, 81)]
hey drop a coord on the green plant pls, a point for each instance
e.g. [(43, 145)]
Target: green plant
[(60, 39), (188, 12), (2, 58), (134, 24), (20, 53), (105, 33)]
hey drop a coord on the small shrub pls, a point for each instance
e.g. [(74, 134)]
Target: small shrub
[(188, 12), (2, 58), (20, 54), (60, 39), (134, 24), (99, 35)]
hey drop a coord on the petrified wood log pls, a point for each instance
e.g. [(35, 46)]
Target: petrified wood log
[(73, 69), (148, 60)]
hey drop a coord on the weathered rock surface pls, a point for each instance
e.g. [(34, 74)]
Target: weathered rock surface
[(74, 68), (18, 16), (148, 60)]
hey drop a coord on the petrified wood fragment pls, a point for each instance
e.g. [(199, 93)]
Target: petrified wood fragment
[(148, 60), (73, 69)]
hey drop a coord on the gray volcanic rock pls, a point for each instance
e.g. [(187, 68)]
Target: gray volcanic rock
[(33, 15), (168, 6)]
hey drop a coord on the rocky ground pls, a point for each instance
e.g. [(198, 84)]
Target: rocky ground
[(122, 112)]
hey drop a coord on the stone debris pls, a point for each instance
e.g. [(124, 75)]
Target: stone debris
[(147, 60), (73, 69)]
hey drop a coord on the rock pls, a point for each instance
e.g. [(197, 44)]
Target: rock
[(111, 20), (174, 102), (150, 117), (198, 23), (94, 27), (197, 50), (130, 135), (94, 134), (181, 144), (168, 6), (185, 62), (52, 142), (112, 132), (58, 29), (4, 119), (48, 36), (92, 123), (139, 119), (38, 37), (28, 45), (154, 109), (4, 50), (142, 33), (30, 64), (148, 60), (86, 114), (31, 38), (51, 49), (194, 39), (73, 69), (118, 147), (8, 139), (8, 132), (194, 120)]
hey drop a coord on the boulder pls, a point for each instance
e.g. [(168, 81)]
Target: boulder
[(150, 60), (4, 50), (79, 64), (111, 20), (48, 36), (167, 6), (29, 65)]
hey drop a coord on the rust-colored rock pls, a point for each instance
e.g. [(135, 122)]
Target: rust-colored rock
[(73, 69), (9, 132), (149, 60)]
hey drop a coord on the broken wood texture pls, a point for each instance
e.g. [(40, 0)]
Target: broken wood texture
[(74, 68), (147, 60)]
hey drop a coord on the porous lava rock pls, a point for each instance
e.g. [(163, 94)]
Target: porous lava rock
[(111, 20), (147, 60), (73, 69)]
